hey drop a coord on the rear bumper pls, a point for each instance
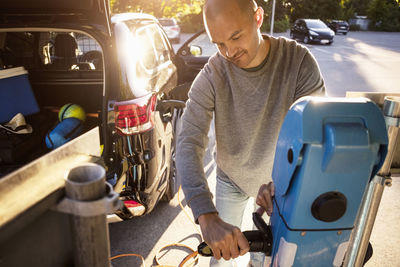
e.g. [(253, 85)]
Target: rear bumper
[(341, 30), (321, 39)]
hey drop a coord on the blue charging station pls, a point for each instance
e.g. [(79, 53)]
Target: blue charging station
[(327, 152)]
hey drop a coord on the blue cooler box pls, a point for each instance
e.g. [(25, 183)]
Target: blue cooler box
[(16, 94)]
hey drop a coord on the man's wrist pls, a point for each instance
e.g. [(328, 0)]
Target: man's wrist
[(204, 218), (201, 204)]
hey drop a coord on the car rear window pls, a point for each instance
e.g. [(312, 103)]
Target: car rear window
[(17, 49), (316, 24), (50, 50)]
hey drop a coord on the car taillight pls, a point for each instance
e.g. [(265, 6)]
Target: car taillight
[(136, 208), (175, 29), (135, 116)]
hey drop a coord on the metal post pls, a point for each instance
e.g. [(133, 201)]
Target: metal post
[(366, 217), (91, 246), (391, 110), (272, 18)]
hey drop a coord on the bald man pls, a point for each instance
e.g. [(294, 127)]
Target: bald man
[(248, 86)]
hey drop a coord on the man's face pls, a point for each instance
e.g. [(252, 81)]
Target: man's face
[(235, 32)]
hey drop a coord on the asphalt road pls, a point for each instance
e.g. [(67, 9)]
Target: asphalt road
[(359, 61)]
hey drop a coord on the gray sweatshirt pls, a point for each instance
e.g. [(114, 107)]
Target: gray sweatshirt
[(249, 108)]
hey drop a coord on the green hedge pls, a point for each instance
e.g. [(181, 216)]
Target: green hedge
[(281, 25), (354, 27), (191, 23), (391, 26)]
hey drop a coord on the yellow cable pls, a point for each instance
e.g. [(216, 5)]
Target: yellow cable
[(194, 254), (187, 215), (129, 255)]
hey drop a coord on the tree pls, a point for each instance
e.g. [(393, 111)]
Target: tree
[(384, 15), (360, 7), (281, 18), (318, 9), (158, 8), (281, 10)]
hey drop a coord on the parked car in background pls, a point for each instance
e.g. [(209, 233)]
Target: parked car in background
[(312, 31), (171, 28), (338, 26), (120, 69)]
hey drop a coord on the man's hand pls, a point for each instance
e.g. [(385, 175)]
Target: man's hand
[(264, 198), (225, 240)]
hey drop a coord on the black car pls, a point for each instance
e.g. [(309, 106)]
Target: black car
[(339, 26), (311, 30), (120, 69)]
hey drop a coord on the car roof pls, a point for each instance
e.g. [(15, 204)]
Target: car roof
[(311, 19), (307, 20), (81, 14), (131, 16), (167, 19)]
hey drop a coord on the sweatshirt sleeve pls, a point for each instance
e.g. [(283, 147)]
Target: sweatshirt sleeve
[(309, 79), (192, 142)]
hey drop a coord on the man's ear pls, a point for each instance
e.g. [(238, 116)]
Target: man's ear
[(259, 16)]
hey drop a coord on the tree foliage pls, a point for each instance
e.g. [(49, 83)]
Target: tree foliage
[(318, 9), (359, 7), (384, 14), (158, 8), (281, 9), (281, 18)]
